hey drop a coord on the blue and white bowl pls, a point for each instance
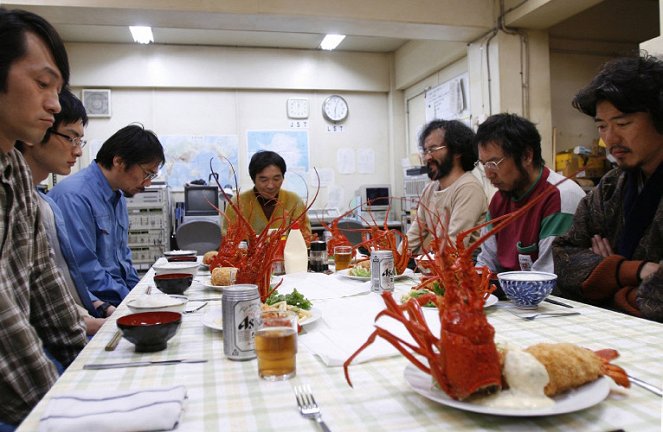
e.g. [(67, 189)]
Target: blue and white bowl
[(526, 289)]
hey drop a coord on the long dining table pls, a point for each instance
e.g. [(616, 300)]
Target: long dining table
[(228, 395)]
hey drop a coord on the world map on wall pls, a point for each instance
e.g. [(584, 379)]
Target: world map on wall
[(293, 148), (188, 159)]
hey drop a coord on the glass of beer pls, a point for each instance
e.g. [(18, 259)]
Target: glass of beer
[(276, 345), (342, 257)]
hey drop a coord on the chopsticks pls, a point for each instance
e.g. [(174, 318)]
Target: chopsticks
[(558, 303), (112, 344)]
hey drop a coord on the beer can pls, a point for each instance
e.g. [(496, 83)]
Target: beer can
[(241, 312), (382, 271)]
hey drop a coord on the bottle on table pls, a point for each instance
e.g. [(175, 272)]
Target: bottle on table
[(295, 253)]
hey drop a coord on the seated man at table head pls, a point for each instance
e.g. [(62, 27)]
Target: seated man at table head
[(612, 253), (267, 204), (449, 152), (57, 153), (510, 157), (94, 209), (37, 312)]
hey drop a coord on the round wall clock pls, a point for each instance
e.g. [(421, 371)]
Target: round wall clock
[(335, 108)]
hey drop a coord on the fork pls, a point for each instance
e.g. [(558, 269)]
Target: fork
[(308, 407), (547, 314)]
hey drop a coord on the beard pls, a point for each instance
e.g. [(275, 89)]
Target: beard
[(442, 168), (520, 186)]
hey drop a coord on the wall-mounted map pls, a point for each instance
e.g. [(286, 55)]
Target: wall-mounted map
[(188, 158), (292, 146)]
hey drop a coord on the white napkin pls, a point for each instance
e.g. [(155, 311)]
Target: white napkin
[(346, 327), (115, 411), (319, 286)]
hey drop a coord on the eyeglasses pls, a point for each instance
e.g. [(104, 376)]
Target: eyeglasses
[(148, 174), (488, 166), (75, 141), (429, 151)]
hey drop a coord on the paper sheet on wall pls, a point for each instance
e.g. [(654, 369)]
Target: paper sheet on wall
[(326, 177), (449, 100), (365, 161), (345, 161)]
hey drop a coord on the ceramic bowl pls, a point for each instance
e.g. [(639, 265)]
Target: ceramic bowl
[(149, 331), (180, 253), (188, 258), (526, 289), (157, 303), (173, 283), (161, 267)]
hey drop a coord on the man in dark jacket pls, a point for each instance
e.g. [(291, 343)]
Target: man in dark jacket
[(611, 255)]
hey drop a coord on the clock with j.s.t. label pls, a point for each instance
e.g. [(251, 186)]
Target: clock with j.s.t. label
[(297, 108), (335, 108)]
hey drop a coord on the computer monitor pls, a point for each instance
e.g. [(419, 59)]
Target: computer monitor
[(375, 197), (201, 200)]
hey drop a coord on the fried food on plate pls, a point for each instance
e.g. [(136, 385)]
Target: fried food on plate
[(224, 276), (209, 256)]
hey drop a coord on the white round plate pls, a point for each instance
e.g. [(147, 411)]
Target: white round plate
[(316, 315), (180, 253), (213, 319), (490, 301), (406, 274), (574, 400), (207, 283)]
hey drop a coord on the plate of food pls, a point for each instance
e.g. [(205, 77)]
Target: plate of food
[(574, 400), (220, 278), (363, 274), (296, 302), (434, 288), (213, 319)]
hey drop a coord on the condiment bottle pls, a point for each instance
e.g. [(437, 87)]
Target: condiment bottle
[(318, 256), (295, 253)]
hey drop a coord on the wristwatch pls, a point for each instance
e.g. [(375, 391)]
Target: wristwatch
[(102, 308)]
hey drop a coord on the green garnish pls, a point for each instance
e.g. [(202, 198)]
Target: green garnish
[(295, 298), (359, 272)]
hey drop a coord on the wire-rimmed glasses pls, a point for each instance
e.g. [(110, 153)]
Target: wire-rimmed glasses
[(488, 166), (75, 141), (148, 174)]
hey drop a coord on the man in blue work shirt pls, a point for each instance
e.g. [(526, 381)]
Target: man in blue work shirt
[(94, 208)]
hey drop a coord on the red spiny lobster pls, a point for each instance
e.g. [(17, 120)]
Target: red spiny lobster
[(464, 359)]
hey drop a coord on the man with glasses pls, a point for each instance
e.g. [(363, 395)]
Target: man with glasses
[(37, 313), (612, 254), (94, 209), (455, 194), (510, 158), (57, 153)]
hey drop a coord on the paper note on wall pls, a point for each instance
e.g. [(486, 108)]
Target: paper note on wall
[(365, 161), (448, 100), (345, 160)]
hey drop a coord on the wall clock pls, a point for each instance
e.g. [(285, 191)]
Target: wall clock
[(335, 108), (297, 108)]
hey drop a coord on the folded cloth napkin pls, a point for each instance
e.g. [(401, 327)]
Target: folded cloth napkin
[(115, 411)]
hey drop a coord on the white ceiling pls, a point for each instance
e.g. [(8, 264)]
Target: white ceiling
[(243, 23)]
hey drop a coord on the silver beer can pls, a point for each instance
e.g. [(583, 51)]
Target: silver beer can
[(241, 312), (382, 271)]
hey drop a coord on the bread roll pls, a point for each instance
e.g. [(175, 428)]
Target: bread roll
[(224, 276), (207, 258)]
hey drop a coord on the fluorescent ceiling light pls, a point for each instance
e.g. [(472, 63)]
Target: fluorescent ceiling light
[(142, 34), (331, 41)]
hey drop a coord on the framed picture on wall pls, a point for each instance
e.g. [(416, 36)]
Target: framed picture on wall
[(97, 102)]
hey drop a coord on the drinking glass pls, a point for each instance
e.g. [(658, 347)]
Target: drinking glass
[(276, 345), (342, 257)]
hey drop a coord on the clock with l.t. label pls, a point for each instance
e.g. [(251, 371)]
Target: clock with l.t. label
[(297, 108), (335, 108)]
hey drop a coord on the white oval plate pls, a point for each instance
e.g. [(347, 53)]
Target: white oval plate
[(180, 253), (213, 319), (406, 274), (207, 283), (490, 301), (316, 314), (571, 401)]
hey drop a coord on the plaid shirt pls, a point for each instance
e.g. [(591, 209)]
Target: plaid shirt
[(36, 309)]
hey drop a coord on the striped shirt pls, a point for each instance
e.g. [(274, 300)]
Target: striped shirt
[(36, 309)]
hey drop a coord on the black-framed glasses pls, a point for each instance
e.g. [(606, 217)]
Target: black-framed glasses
[(149, 175), (488, 166), (75, 141), (431, 150)]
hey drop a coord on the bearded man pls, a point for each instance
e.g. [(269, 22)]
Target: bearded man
[(455, 194)]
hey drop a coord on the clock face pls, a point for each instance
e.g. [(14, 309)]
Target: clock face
[(297, 108), (335, 108)]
